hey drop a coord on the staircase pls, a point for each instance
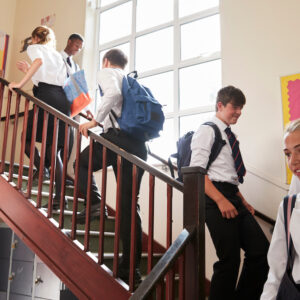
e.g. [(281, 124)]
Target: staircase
[(85, 257)]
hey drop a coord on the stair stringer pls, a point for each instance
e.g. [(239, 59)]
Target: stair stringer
[(73, 266)]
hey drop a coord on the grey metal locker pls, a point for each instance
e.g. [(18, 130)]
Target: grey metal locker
[(21, 251)]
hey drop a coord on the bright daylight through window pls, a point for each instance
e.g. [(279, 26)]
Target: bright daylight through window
[(175, 47)]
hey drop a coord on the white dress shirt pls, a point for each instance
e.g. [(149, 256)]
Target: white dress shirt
[(110, 81), (294, 186), (277, 255), (74, 67), (53, 70), (222, 169)]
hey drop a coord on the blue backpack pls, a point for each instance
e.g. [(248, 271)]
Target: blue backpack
[(142, 116), (184, 152)]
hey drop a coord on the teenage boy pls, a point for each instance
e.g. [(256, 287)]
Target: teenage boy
[(229, 217), (110, 80)]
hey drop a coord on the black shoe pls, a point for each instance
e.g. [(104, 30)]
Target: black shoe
[(95, 213), (124, 275), (56, 204)]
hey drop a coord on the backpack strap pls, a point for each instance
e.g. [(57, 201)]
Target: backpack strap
[(217, 145), (288, 205)]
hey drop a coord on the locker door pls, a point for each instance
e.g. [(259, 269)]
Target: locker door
[(3, 296), (19, 297), (4, 269), (21, 251), (47, 285), (21, 278), (5, 238)]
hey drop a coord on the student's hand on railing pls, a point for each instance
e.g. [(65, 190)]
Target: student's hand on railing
[(23, 66), (83, 128), (89, 115), (13, 85)]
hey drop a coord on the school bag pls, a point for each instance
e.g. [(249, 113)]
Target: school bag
[(142, 116), (288, 289), (184, 152)]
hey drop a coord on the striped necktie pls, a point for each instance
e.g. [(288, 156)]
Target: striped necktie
[(236, 154), (69, 61)]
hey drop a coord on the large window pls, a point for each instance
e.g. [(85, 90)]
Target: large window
[(175, 47)]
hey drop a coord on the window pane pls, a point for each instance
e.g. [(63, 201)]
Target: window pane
[(153, 12), (199, 84), (115, 23), (164, 146), (106, 2), (124, 47), (162, 88), (207, 31), (193, 122), (154, 50), (187, 7)]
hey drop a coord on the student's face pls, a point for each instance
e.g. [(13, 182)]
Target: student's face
[(229, 113), (292, 151), (74, 46)]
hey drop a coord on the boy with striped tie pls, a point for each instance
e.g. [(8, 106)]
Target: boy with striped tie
[(229, 217)]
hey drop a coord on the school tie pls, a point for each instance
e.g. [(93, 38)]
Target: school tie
[(69, 61), (236, 154)]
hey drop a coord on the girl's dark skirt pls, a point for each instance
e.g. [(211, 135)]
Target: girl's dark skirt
[(54, 96)]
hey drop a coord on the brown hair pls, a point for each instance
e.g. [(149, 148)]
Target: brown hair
[(116, 57), (231, 94)]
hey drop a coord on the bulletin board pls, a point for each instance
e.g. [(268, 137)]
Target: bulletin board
[(290, 93), (4, 38)]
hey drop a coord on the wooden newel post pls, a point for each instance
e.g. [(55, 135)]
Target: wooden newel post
[(194, 219)]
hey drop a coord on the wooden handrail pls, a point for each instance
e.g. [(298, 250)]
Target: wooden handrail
[(163, 266)]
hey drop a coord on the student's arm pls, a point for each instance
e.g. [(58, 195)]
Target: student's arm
[(23, 66), (226, 208), (246, 204), (33, 68), (83, 128)]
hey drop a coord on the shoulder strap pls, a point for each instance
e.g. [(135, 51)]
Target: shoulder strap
[(217, 145), (288, 205)]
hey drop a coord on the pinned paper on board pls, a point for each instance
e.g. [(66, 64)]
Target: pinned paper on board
[(4, 38), (290, 93)]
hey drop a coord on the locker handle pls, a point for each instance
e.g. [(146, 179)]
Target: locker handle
[(38, 280), (12, 276), (14, 244)]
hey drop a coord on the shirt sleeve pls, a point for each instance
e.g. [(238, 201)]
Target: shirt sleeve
[(112, 93), (34, 52), (201, 145), (277, 258)]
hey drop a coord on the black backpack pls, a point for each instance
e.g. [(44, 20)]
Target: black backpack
[(183, 154)]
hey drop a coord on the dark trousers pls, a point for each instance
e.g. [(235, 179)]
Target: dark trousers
[(229, 236), (137, 148)]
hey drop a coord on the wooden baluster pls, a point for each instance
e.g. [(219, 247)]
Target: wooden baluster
[(42, 159), (181, 262), (6, 128), (151, 223), (53, 165), (133, 227), (118, 216), (1, 97), (23, 139), (160, 290), (170, 275), (88, 199), (103, 201), (75, 195), (32, 148), (194, 217), (13, 141), (64, 173)]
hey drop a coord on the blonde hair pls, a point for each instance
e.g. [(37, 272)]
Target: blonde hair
[(44, 34), (292, 126)]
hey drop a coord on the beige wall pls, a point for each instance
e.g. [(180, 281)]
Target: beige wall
[(7, 20), (259, 45)]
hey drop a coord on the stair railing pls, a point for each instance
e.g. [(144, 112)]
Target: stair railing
[(187, 261)]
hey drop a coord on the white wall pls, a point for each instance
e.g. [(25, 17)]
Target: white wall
[(260, 44)]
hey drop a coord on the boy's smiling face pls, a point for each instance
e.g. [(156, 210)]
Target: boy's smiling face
[(229, 113)]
